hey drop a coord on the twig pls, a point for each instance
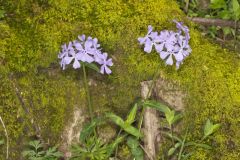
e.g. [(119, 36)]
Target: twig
[(235, 35), (215, 22), (6, 134), (186, 6), (146, 152), (25, 108)]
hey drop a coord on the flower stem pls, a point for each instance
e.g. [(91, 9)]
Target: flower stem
[(155, 76), (87, 92)]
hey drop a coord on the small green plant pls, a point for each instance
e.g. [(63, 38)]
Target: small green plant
[(1, 141), (181, 148), (2, 13), (94, 149), (91, 147), (36, 152), (132, 133), (135, 148)]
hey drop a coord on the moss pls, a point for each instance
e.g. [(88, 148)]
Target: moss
[(31, 40)]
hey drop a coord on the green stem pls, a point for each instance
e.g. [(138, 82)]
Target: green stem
[(171, 128), (182, 145), (116, 151), (87, 92), (155, 76)]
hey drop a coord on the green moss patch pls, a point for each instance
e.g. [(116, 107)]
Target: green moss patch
[(30, 40)]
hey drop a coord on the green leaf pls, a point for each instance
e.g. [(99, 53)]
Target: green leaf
[(132, 142), (236, 8), (137, 153), (1, 141), (173, 149), (233, 32), (225, 14), (216, 127), (177, 118), (131, 116), (227, 31), (218, 4), (126, 127), (36, 144), (114, 144), (89, 128), (210, 128), (91, 66), (2, 13), (134, 146), (172, 136), (156, 105), (53, 153), (170, 116), (201, 145), (28, 153)]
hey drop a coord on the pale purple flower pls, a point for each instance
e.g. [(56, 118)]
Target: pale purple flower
[(183, 46), (84, 50), (167, 40), (171, 46), (105, 63), (84, 54), (167, 55), (142, 40), (66, 50), (150, 40), (183, 28), (72, 57)]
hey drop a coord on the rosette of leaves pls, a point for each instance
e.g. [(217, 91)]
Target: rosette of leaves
[(94, 149), (36, 152)]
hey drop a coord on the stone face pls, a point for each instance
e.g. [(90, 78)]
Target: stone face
[(72, 131), (31, 38), (170, 93)]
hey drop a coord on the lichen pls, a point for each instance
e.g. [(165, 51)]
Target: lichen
[(30, 41)]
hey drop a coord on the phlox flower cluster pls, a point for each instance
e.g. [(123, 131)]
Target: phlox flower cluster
[(168, 44), (87, 50)]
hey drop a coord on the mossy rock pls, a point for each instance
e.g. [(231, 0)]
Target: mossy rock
[(31, 35)]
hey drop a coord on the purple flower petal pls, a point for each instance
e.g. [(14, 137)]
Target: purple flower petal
[(108, 71), (68, 60), (163, 55), (178, 56), (82, 37), (169, 60), (76, 64), (159, 47), (150, 28), (141, 40), (78, 46), (148, 46)]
